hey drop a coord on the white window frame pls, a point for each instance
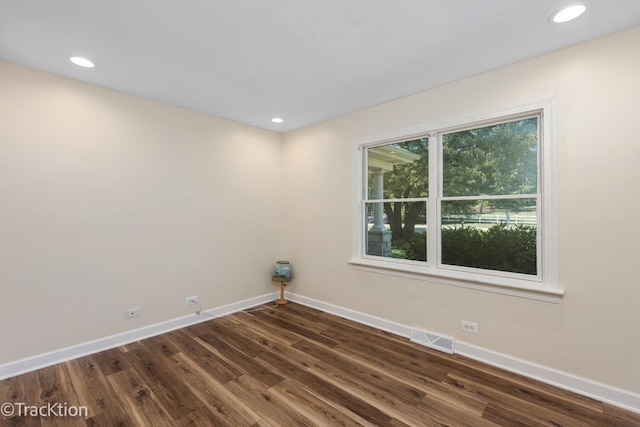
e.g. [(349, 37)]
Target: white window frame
[(544, 286)]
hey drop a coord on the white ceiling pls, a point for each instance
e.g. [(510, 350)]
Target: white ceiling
[(303, 60)]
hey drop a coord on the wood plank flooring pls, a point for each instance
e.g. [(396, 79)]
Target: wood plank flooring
[(293, 366)]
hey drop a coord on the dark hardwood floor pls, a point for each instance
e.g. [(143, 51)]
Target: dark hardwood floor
[(293, 366)]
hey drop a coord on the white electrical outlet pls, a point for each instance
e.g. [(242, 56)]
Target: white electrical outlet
[(132, 312), (470, 327), (191, 300)]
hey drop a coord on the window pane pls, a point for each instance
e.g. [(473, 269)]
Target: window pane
[(399, 170), (397, 230), (496, 160), (491, 234)]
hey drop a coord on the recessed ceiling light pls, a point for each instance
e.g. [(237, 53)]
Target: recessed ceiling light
[(83, 62), (568, 13), (277, 120)]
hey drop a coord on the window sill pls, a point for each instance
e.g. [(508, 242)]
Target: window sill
[(512, 287)]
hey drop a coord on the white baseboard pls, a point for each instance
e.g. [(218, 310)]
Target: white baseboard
[(356, 316), (32, 363), (583, 386)]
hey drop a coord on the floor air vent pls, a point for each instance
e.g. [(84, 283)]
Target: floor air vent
[(431, 340)]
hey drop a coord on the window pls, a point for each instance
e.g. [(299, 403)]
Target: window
[(471, 201)]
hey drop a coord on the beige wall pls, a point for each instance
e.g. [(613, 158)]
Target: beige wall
[(593, 331), (110, 202)]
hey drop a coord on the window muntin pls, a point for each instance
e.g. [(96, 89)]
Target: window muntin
[(489, 182)]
